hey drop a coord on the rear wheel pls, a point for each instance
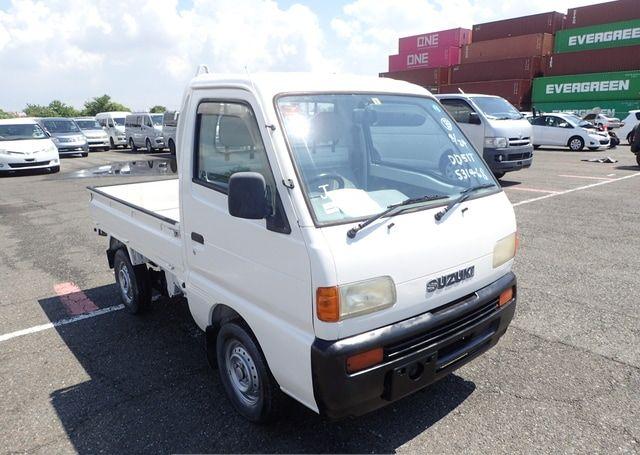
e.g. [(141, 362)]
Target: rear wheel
[(576, 143), (630, 138), (133, 283), (244, 373)]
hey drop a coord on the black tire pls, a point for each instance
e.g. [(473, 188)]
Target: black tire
[(172, 147), (147, 144), (499, 175), (54, 169), (85, 154), (133, 283), (106, 149), (593, 149), (638, 158), (132, 145), (575, 144), (263, 400), (536, 147), (630, 138), (112, 144)]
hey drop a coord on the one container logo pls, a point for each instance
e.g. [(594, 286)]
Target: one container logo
[(431, 40), (418, 59)]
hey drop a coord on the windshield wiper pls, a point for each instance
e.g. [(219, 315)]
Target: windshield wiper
[(430, 197), (464, 195)]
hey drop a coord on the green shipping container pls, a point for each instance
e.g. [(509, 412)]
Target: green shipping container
[(616, 34), (624, 85), (612, 108)]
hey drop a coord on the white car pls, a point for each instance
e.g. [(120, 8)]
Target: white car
[(25, 145), (603, 121), (97, 137), (630, 122), (566, 130)]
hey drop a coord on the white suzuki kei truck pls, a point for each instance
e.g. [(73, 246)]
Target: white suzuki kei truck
[(319, 243)]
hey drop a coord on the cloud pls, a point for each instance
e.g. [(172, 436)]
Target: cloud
[(370, 28), (144, 55)]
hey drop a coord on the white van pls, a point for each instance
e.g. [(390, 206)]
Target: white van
[(144, 130), (494, 127), (320, 245), (25, 145), (113, 124), (169, 128)]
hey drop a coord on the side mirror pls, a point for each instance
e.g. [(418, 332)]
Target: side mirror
[(247, 196), (474, 118)]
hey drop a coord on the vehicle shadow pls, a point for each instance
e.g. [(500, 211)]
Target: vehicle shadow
[(628, 168), (151, 389)]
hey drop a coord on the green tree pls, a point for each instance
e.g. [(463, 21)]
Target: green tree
[(4, 114), (102, 104), (56, 108), (38, 110), (158, 109)]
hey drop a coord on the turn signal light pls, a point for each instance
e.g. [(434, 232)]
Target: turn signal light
[(505, 297), (328, 304), (364, 360)]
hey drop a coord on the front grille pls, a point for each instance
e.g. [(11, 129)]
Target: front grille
[(441, 332), (518, 156), (519, 142), (33, 163)]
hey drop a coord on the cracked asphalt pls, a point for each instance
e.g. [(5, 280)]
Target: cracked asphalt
[(564, 379)]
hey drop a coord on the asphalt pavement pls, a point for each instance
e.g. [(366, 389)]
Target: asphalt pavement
[(564, 379)]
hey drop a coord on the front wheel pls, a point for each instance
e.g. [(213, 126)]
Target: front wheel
[(499, 175), (576, 143), (54, 169), (638, 158), (172, 147), (132, 145), (536, 147), (147, 144), (630, 138), (244, 373), (111, 143), (85, 154), (133, 283)]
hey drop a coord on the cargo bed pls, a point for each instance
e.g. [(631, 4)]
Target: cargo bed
[(143, 216)]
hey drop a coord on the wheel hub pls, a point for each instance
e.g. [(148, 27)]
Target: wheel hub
[(242, 373), (125, 283)]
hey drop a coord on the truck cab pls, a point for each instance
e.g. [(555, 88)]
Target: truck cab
[(336, 237), (495, 128)]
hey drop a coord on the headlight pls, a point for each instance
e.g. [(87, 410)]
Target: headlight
[(505, 250), (52, 148), (496, 142), (349, 300), (55, 139)]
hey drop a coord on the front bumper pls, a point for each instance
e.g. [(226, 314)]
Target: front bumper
[(19, 163), (99, 143), (513, 158), (417, 352), (72, 148)]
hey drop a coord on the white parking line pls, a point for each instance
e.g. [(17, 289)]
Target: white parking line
[(51, 325), (533, 190), (580, 188), (588, 177)]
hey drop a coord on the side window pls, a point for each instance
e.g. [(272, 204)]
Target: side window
[(459, 109), (538, 121), (637, 115), (590, 117), (228, 141), (552, 121), (147, 121)]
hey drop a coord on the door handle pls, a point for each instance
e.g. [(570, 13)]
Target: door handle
[(197, 237)]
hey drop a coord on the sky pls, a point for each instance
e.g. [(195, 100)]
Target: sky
[(143, 52)]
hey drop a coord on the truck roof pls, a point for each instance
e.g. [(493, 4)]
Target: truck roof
[(269, 85)]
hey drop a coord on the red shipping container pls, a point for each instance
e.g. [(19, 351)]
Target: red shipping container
[(515, 68), (426, 77), (428, 58), (516, 91), (595, 61), (506, 48), (525, 25), (456, 37), (603, 13)]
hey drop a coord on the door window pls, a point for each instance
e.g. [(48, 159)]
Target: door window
[(538, 121), (638, 115), (459, 109), (147, 121)]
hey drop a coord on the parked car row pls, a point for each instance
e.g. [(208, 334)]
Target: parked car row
[(24, 144)]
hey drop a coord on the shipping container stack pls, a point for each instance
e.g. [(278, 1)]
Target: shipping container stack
[(596, 62), (426, 59), (504, 57)]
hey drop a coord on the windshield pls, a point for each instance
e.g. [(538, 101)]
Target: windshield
[(88, 124), (356, 154), (60, 126), (21, 131), (496, 108), (119, 121), (157, 119)]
